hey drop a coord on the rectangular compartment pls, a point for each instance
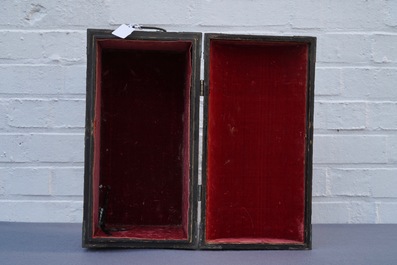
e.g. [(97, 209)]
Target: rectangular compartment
[(257, 142), (142, 134)]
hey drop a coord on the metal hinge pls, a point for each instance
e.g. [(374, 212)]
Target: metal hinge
[(202, 88), (200, 190)]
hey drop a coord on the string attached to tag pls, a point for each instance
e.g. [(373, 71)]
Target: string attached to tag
[(126, 29)]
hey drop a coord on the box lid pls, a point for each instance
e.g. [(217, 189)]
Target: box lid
[(257, 142)]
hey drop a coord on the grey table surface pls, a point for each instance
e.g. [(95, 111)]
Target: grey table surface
[(38, 243)]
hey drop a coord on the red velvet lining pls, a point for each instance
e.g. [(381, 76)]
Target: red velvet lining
[(166, 232), (186, 144), (97, 139), (142, 145), (256, 142)]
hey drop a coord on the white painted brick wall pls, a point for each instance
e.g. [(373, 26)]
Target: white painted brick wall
[(350, 149), (57, 79), (42, 96), (344, 48), (47, 113), (332, 115), (369, 83)]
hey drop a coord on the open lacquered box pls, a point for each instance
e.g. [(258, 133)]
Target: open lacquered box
[(142, 188)]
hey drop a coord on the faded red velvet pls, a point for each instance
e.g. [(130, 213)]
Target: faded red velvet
[(97, 140), (144, 138), (256, 142), (168, 232)]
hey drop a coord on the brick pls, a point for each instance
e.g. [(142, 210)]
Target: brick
[(353, 14), (387, 212), (374, 182), (319, 181), (26, 181), (47, 113), (392, 149), (3, 116), (362, 212), (303, 19), (76, 212), (344, 48), (44, 47), (12, 148), (41, 148), (46, 79), (384, 49), (38, 113), (155, 12), (328, 81), (14, 10), (382, 116), (340, 115), (391, 15), (369, 83), (67, 181), (53, 14), (349, 182), (330, 212), (56, 147), (40, 211), (383, 182), (320, 116), (2, 180), (273, 13), (68, 114), (352, 149), (74, 80)]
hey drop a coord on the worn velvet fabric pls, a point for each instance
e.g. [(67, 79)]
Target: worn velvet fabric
[(256, 142), (143, 147)]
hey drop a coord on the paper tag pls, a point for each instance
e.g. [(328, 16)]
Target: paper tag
[(123, 31)]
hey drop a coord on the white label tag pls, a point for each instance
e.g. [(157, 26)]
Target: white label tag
[(123, 31)]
